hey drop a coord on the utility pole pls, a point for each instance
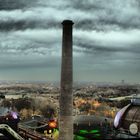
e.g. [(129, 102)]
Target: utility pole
[(66, 95)]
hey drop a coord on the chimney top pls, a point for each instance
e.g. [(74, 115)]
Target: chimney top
[(67, 22)]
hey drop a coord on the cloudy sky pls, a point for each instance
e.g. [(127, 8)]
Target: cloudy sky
[(106, 39)]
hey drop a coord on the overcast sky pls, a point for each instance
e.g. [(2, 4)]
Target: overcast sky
[(106, 39)]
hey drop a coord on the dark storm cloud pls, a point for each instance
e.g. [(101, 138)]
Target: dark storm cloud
[(107, 24), (109, 15), (15, 4), (88, 15), (11, 4), (112, 41), (20, 64), (40, 17), (41, 42), (14, 25), (23, 25), (93, 47), (106, 34)]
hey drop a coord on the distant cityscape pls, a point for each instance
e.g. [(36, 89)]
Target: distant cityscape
[(42, 100)]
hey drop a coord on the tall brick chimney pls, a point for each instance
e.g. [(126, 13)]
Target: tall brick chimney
[(66, 96)]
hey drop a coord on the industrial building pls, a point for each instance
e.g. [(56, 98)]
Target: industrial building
[(127, 120), (92, 127)]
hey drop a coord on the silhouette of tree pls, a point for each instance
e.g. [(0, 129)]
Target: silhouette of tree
[(48, 111), (23, 103)]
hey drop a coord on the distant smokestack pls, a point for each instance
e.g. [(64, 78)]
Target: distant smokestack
[(66, 96)]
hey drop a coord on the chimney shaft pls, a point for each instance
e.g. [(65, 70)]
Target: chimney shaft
[(66, 96)]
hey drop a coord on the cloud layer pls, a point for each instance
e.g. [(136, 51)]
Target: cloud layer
[(106, 38)]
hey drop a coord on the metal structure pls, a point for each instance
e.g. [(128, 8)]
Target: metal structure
[(37, 129), (29, 134), (9, 132), (10, 128), (92, 127), (127, 120)]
